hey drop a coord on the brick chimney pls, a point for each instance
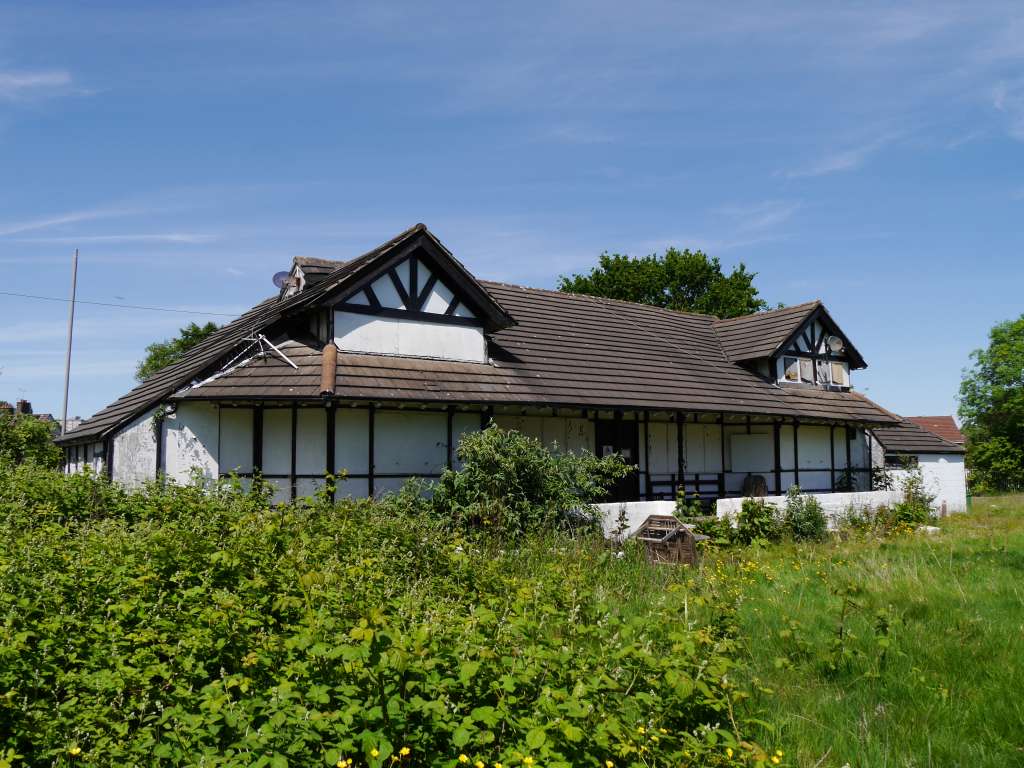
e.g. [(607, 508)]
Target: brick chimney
[(23, 407)]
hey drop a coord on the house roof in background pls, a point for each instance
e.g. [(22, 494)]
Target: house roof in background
[(563, 349), (908, 437), (943, 426)]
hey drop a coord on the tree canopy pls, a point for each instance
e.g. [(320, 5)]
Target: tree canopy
[(27, 439), (686, 280), (160, 354), (992, 408)]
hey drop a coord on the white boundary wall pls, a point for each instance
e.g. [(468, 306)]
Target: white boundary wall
[(834, 505), (945, 476)]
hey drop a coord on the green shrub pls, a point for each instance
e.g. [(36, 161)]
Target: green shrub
[(511, 484), (758, 521), (26, 439), (803, 517), (192, 626), (996, 465)]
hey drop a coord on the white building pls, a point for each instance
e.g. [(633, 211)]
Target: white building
[(906, 445), (374, 367)]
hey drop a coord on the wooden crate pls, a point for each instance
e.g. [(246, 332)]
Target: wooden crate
[(668, 541)]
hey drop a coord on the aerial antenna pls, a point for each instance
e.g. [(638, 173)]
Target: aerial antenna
[(281, 279), (67, 356)]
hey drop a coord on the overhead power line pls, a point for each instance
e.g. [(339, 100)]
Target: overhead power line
[(118, 306)]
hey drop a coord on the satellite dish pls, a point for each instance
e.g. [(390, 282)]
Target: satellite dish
[(281, 279), (835, 344)]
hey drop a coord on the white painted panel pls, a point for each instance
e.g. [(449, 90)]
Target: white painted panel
[(277, 441), (579, 435), (386, 293), (235, 440), (134, 452), (352, 442), (786, 447), (839, 454), (311, 441), (662, 448), (360, 298), (439, 299), (352, 487), (191, 441), (815, 480), (383, 485), (814, 447), (282, 490), (462, 424), (307, 486), (752, 453), (410, 443), (365, 333), (463, 311), (703, 448), (402, 270), (416, 338)]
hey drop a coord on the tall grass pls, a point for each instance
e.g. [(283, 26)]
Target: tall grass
[(925, 667)]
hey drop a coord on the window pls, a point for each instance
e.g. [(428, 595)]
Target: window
[(839, 375), (900, 461), (806, 370), (791, 366), (823, 372)]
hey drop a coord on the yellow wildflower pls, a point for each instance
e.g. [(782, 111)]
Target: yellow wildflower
[(609, 764), (778, 752), (478, 764), (728, 751), (404, 751), (662, 730), (775, 759), (498, 765), (527, 760), (463, 759), (374, 752), (75, 751)]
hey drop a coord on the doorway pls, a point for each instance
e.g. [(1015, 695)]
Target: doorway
[(622, 437)]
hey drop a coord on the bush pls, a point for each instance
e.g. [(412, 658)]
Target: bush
[(803, 518), (184, 626), (26, 439), (511, 484), (996, 465), (758, 521)]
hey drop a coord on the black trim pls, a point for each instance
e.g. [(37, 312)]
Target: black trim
[(397, 282), (295, 429), (408, 314), (423, 295), (331, 430), (371, 422)]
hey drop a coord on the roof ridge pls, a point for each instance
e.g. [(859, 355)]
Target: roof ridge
[(802, 305), (573, 294)]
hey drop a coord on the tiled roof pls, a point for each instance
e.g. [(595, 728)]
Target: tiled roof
[(908, 437), (750, 337), (564, 349), (943, 426)]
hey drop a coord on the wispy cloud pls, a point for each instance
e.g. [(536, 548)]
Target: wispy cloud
[(578, 134), (18, 84), (182, 238), (760, 216), (1008, 98), (71, 217), (848, 159)]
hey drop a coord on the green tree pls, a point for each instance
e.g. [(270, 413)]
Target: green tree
[(160, 354), (992, 408), (26, 439), (685, 280)]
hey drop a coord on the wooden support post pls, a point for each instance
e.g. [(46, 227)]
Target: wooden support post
[(295, 423), (832, 455), (647, 456), (451, 416), (777, 440), (796, 453), (849, 465), (680, 459), (721, 476), (369, 465), (257, 439), (329, 445)]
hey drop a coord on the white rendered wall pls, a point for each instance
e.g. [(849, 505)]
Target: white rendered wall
[(835, 505), (944, 476), (135, 452), (191, 441), (354, 332)]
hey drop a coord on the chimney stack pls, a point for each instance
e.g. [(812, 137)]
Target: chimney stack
[(24, 407), (328, 369)]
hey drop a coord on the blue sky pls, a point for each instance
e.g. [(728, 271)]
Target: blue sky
[(868, 155)]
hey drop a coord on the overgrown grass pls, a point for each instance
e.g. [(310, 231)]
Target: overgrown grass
[(906, 651)]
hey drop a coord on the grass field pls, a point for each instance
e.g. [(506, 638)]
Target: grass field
[(925, 667)]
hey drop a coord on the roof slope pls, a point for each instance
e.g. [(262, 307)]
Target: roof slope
[(566, 350), (749, 337), (908, 437), (943, 426)]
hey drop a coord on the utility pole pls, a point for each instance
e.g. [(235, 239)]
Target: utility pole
[(71, 329)]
